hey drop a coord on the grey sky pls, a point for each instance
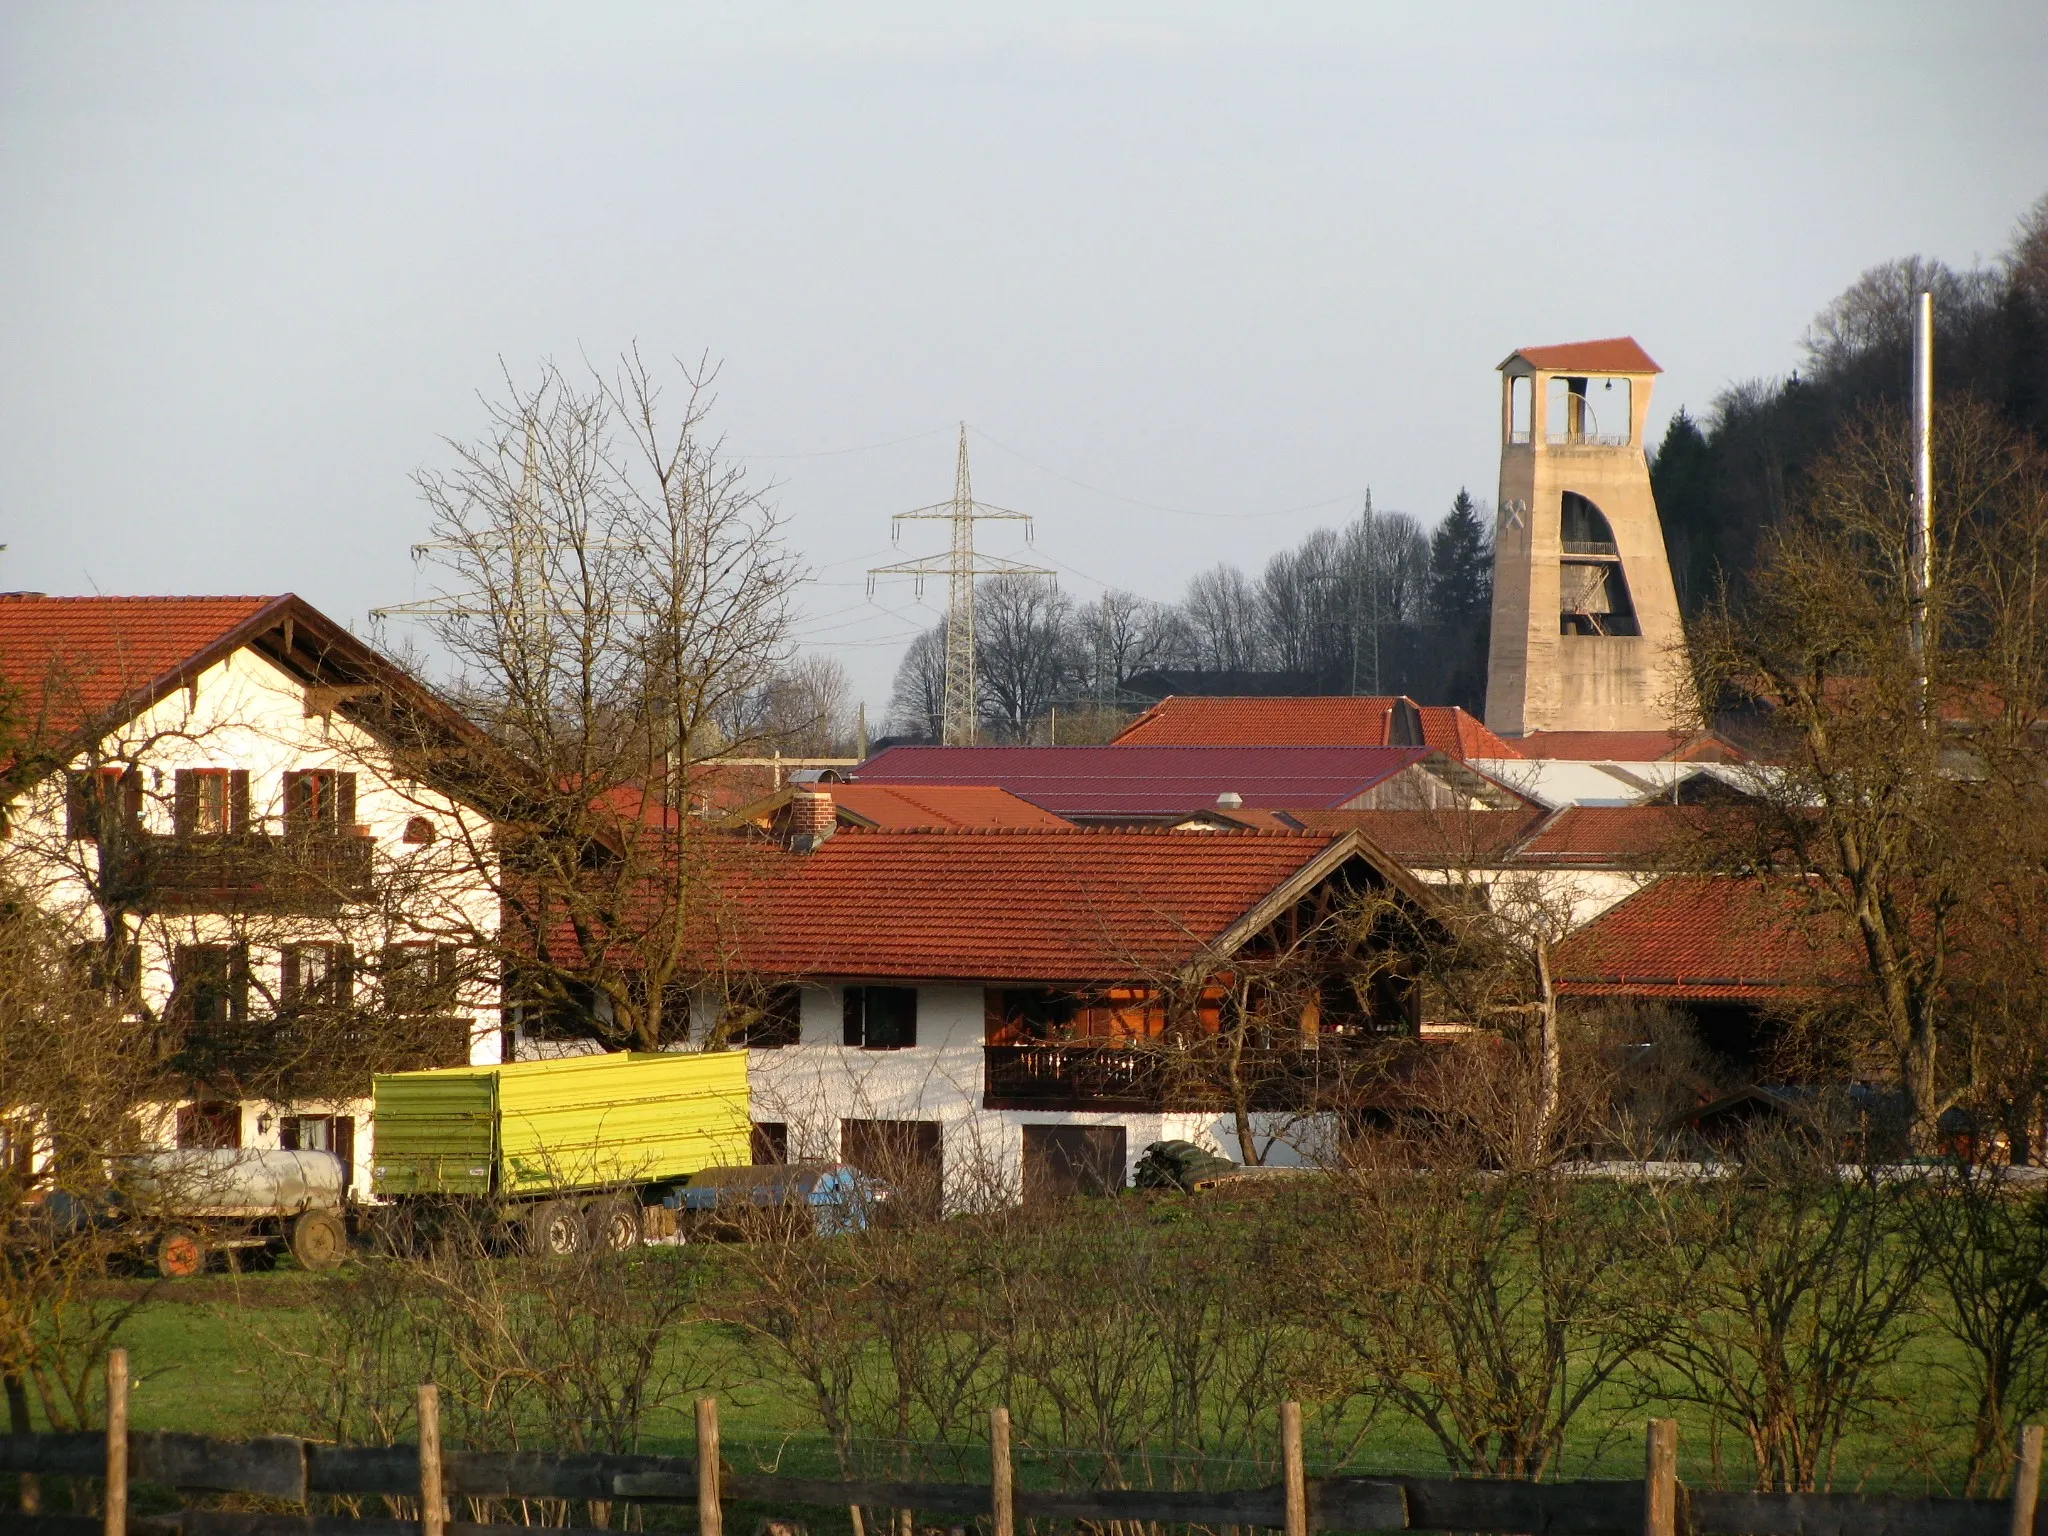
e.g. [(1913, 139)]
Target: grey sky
[(1237, 259)]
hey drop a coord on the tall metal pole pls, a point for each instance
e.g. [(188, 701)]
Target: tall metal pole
[(1920, 543)]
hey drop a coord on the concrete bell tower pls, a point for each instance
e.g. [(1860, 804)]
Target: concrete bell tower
[(1585, 617)]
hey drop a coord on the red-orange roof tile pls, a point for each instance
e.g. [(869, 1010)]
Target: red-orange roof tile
[(903, 807), (1613, 354), (1433, 839), (75, 658), (1628, 747), (1632, 836), (1708, 937), (1334, 720), (1066, 905)]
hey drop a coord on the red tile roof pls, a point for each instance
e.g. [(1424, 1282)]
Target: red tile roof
[(1065, 905), (1433, 838), (910, 807), (1614, 354), (1150, 781), (1708, 937), (1632, 836), (1335, 720), (77, 658), (1628, 747)]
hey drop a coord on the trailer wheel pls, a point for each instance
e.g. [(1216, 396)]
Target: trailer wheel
[(319, 1240), (180, 1253), (614, 1223), (557, 1228)]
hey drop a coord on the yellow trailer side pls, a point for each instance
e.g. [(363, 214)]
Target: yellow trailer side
[(575, 1122)]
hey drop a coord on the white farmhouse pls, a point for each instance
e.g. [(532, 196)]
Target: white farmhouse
[(204, 788)]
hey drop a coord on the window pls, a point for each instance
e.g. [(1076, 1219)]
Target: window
[(210, 983), (881, 1018), (210, 1124), (422, 978), (210, 802), (118, 975), (419, 830), (778, 1022), (319, 800), (93, 799), (770, 1143), (322, 1133), (316, 976)]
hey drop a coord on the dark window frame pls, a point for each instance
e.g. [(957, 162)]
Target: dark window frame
[(879, 1018), (191, 988), (778, 1025), (319, 801)]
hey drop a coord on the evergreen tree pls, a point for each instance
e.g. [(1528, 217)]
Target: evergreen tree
[(1460, 566)]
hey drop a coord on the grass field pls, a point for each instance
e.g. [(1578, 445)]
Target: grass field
[(202, 1350)]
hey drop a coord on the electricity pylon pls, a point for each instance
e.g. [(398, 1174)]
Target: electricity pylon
[(959, 567)]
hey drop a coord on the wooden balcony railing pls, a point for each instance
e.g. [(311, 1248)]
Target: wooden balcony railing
[(1199, 1076), (252, 871)]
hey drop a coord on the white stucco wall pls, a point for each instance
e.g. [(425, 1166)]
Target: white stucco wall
[(815, 1085)]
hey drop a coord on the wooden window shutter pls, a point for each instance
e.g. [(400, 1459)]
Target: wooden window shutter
[(238, 800), (185, 803), (78, 808), (345, 800)]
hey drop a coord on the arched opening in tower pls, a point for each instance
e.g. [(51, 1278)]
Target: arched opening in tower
[(1593, 596)]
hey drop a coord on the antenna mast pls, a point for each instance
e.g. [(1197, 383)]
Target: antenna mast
[(960, 567)]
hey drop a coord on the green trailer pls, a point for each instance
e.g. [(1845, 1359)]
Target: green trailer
[(567, 1152)]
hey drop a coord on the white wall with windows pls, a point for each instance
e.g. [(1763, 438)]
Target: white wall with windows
[(811, 1090)]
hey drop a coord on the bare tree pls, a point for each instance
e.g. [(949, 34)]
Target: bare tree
[(1222, 613), (1025, 651), (802, 709), (917, 706), (617, 589), (1906, 809)]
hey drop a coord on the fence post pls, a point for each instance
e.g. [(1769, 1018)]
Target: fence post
[(1001, 1489), (710, 1519), (117, 1443), (1660, 1479), (433, 1497), (2026, 1481), (1296, 1471)]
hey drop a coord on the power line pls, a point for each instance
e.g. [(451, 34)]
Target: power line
[(1155, 506)]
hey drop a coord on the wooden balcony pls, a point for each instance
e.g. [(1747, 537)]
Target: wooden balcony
[(1201, 1076), (253, 872)]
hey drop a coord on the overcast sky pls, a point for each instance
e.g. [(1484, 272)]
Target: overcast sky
[(1198, 275)]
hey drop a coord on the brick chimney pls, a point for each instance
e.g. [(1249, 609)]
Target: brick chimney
[(812, 817)]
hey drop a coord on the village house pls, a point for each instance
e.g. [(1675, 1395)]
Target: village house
[(1020, 1011), (199, 787)]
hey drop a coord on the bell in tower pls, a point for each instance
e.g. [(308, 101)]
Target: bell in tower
[(1586, 632)]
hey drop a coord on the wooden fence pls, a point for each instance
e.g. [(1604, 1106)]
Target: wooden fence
[(290, 1470)]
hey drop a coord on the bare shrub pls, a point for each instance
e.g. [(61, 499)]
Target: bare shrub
[(1792, 1289)]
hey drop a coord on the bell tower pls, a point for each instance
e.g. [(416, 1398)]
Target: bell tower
[(1585, 617)]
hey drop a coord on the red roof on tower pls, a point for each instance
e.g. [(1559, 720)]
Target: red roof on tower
[(1614, 354)]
